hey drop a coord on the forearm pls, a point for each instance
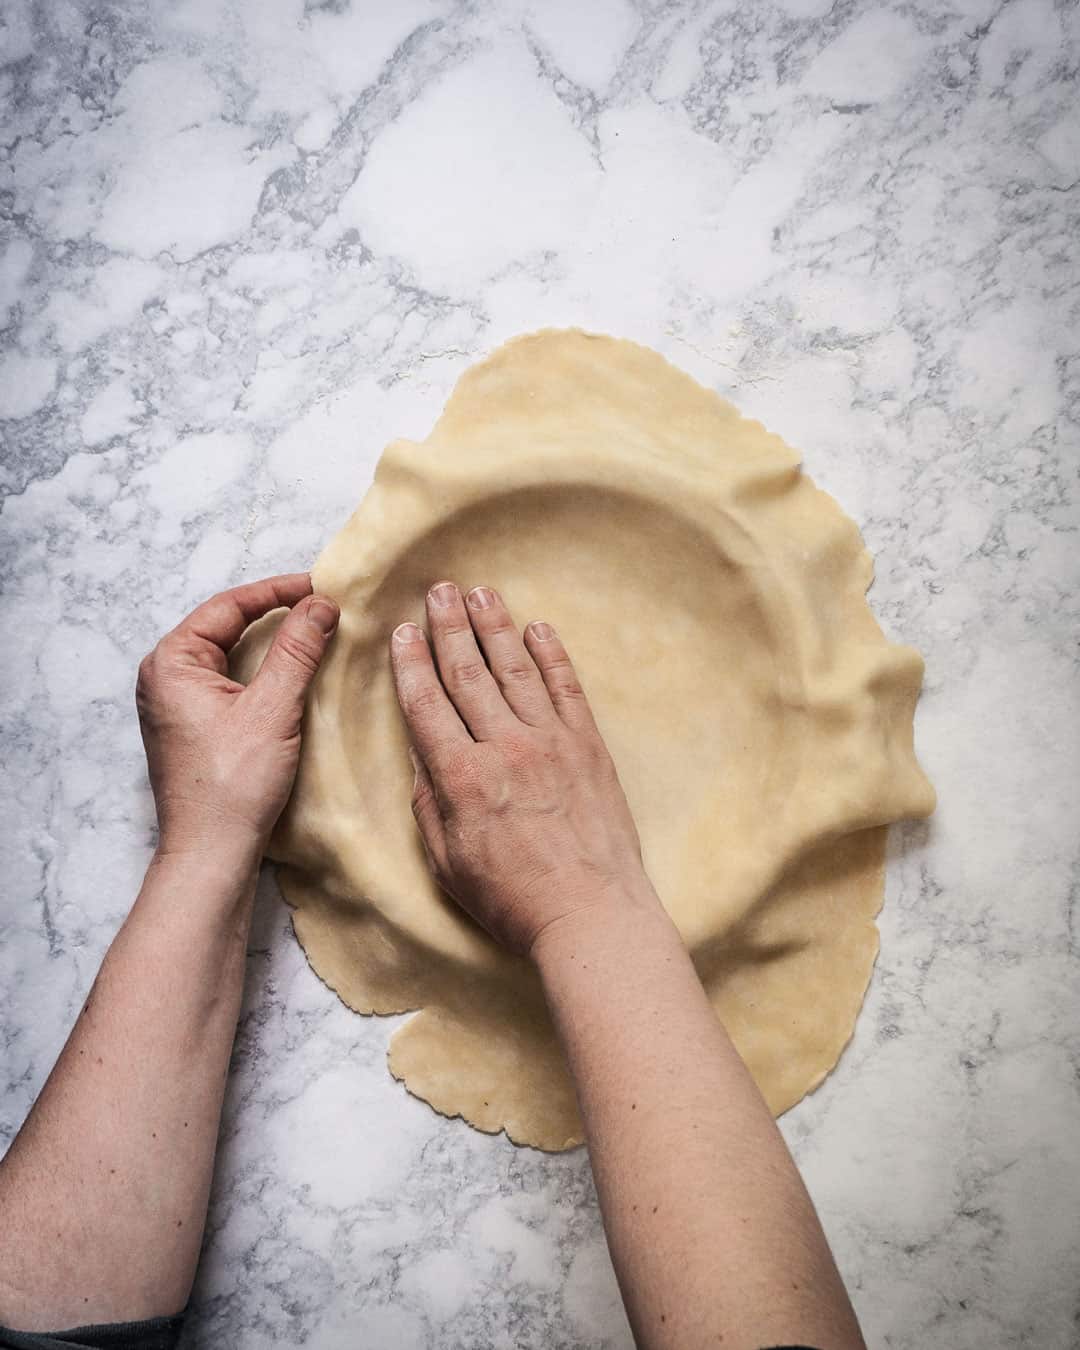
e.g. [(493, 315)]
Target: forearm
[(710, 1228), (104, 1191)]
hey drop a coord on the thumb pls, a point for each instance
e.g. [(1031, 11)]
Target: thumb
[(281, 682), (425, 808)]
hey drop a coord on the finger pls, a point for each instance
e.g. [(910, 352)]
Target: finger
[(462, 669), (281, 683), (557, 672), (217, 624), (514, 669), (434, 726), (425, 809)]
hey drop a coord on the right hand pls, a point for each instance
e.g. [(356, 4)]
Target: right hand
[(516, 797)]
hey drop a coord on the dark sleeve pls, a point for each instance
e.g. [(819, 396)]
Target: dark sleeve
[(160, 1333)]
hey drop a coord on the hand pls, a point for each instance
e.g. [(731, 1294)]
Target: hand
[(516, 796), (222, 757)]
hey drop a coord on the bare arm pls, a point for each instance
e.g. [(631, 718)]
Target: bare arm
[(104, 1190), (712, 1234), (709, 1225)]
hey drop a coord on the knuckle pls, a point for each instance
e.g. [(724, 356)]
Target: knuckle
[(496, 622), (296, 651), (568, 685), (463, 776), (407, 657), (421, 700), (149, 674), (467, 674), (561, 669), (515, 671), (520, 752)]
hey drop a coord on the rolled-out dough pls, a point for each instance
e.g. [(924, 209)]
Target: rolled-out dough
[(713, 601)]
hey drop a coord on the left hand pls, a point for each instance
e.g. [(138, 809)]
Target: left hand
[(222, 757)]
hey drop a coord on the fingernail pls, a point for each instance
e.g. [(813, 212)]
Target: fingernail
[(408, 632), (445, 593), (542, 632), (323, 615), (480, 597), (414, 759)]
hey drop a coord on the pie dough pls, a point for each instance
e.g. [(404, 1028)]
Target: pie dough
[(713, 601)]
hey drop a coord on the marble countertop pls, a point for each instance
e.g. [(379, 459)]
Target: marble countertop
[(247, 244)]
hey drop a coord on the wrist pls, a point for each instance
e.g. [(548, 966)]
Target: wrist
[(595, 919), (189, 827), (229, 848), (209, 889)]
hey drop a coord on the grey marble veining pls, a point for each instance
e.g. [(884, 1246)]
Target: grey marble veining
[(245, 244)]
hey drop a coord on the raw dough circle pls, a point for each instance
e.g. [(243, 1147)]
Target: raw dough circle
[(713, 602)]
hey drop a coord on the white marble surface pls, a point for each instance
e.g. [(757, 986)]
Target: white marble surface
[(247, 242)]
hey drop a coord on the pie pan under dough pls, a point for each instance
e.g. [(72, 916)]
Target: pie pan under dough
[(713, 601)]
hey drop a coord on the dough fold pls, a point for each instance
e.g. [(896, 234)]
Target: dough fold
[(714, 603)]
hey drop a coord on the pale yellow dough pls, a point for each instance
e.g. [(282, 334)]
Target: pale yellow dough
[(713, 601)]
